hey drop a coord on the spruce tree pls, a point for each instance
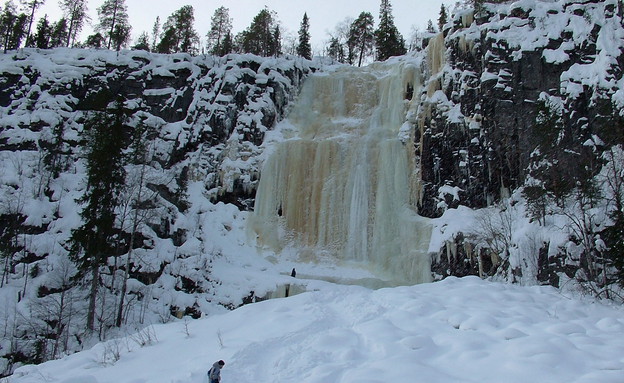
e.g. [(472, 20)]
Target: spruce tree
[(168, 42), (336, 50), (545, 181), (220, 30), (59, 33), (95, 40), (121, 36), (443, 17), (613, 234), (361, 36), (430, 27), (339, 47), (41, 39), (304, 49), (227, 46), (155, 33), (93, 242), (478, 6), (137, 201), (388, 40), (276, 42)]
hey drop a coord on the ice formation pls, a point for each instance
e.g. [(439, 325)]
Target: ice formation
[(344, 180)]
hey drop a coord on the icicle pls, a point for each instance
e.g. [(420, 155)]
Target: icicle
[(345, 182)]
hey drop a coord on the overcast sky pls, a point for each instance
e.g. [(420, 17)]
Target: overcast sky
[(324, 15)]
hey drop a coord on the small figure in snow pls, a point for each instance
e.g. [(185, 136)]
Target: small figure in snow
[(214, 374), (293, 273)]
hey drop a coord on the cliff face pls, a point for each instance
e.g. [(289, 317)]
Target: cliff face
[(200, 121), (489, 76), (205, 110), (521, 94)]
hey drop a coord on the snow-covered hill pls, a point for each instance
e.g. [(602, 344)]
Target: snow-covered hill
[(453, 331)]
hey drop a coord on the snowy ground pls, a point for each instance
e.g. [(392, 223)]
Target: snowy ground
[(457, 330)]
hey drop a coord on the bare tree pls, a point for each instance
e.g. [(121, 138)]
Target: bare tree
[(494, 232), (54, 310)]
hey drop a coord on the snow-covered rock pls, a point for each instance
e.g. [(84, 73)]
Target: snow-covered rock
[(205, 119)]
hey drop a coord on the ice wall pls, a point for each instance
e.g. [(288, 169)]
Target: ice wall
[(344, 180)]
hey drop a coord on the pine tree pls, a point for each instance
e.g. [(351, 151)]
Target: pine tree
[(17, 31), (32, 6), (114, 23), (12, 27), (304, 49), (259, 38), (75, 14), (7, 21), (179, 33), (220, 29), (388, 40), (93, 242), (361, 36)]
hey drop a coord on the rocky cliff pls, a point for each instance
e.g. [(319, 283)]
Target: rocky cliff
[(524, 93), (490, 71), (200, 121)]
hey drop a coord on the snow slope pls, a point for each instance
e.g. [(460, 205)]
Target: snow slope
[(456, 330)]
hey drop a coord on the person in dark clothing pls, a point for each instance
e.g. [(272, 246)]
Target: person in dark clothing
[(293, 274), (214, 374)]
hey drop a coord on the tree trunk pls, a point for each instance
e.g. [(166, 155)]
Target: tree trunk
[(362, 48), (135, 224), (93, 297), (32, 17), (112, 30), (70, 29)]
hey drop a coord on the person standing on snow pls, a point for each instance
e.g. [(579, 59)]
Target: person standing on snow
[(214, 374)]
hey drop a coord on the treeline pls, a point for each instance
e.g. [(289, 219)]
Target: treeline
[(352, 42)]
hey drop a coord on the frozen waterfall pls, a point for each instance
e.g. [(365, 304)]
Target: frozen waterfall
[(343, 178)]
